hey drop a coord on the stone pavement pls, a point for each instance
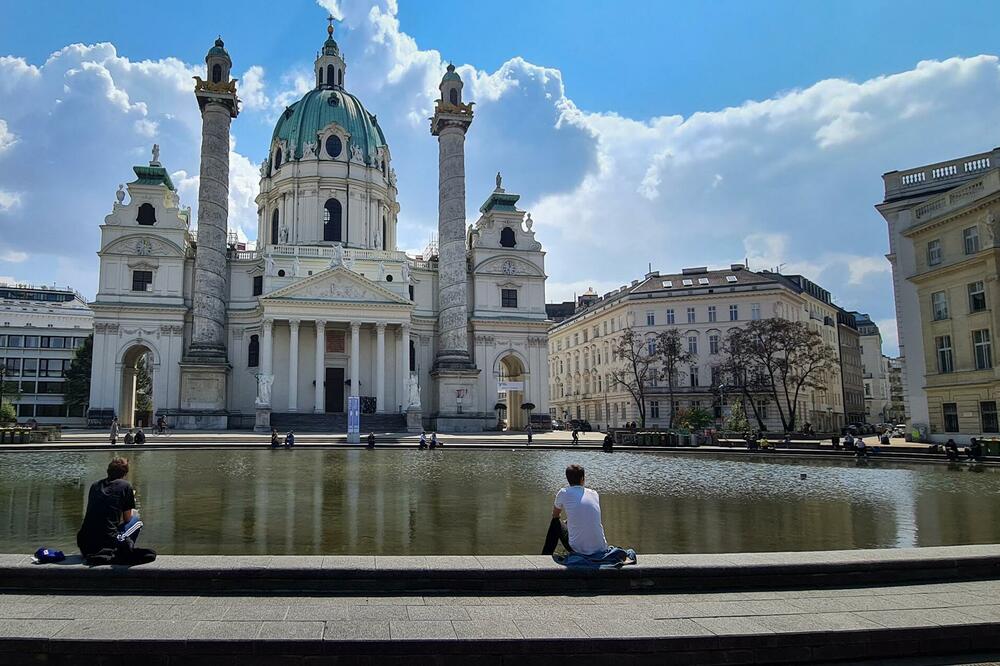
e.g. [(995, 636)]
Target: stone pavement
[(797, 626)]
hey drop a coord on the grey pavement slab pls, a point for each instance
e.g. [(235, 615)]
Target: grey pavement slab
[(431, 630), (625, 628), (21, 628), (357, 630), (225, 631), (134, 630), (437, 613), (292, 631), (486, 630), (816, 622), (550, 629)]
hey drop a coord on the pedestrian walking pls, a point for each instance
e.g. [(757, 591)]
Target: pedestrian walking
[(371, 440), (528, 431), (114, 431), (576, 436)]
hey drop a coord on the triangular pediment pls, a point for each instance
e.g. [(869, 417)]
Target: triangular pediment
[(339, 285)]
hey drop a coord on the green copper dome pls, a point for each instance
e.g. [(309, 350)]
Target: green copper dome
[(218, 49), (303, 121), (451, 75)]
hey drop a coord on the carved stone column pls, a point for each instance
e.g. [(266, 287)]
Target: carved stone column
[(380, 367), (320, 405), (293, 365), (403, 373)]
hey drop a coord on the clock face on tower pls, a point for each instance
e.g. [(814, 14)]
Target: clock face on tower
[(508, 267)]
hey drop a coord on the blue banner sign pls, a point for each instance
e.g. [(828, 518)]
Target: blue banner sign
[(353, 414)]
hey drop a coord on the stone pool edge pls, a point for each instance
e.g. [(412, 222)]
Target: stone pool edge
[(531, 574)]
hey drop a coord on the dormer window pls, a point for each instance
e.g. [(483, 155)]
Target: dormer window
[(507, 238), (146, 215)]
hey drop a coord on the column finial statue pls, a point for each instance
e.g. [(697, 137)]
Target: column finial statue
[(499, 181), (156, 155)]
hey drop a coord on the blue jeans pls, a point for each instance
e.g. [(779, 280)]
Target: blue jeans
[(131, 529)]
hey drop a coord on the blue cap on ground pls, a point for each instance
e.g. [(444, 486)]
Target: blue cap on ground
[(45, 556)]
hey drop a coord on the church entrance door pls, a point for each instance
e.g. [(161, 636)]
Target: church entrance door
[(335, 390)]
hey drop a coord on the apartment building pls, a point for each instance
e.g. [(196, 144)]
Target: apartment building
[(704, 305), (944, 241), (40, 330)]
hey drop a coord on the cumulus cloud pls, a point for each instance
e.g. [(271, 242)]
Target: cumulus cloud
[(12, 257), (81, 120), (252, 89)]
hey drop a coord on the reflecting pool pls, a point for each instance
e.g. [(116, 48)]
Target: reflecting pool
[(394, 502)]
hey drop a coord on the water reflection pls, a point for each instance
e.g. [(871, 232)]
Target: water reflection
[(498, 502)]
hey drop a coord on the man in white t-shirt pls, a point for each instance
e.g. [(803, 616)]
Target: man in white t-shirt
[(583, 514)]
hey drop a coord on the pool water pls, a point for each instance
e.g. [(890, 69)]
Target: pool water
[(410, 502)]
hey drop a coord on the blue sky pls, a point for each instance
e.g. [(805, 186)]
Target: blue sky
[(694, 132)]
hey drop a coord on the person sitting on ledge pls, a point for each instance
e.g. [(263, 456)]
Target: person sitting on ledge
[(609, 442), (111, 524), (975, 450), (140, 437), (951, 449), (434, 440), (423, 441), (289, 440), (275, 438), (371, 440), (129, 438), (583, 534)]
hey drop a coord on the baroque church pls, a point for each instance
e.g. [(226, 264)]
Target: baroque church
[(325, 307)]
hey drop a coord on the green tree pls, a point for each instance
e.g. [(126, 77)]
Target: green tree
[(737, 421), (694, 418), (7, 413), (77, 386), (671, 354)]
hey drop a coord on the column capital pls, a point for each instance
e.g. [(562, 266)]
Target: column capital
[(321, 323), (380, 326), (405, 328), (267, 322), (355, 325), (294, 323)]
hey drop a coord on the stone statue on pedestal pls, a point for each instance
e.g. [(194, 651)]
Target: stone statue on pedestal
[(264, 390), (413, 393), (338, 256)]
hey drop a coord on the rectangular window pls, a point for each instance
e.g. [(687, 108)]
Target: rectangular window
[(693, 376), (950, 411), (50, 387), (690, 313), (988, 416), (713, 344), (755, 311), (258, 285), (734, 313), (716, 375), (24, 411), (651, 346), (711, 313), (508, 298), (654, 409), (983, 349), (762, 409), (605, 328), (939, 304), (142, 280), (585, 335), (31, 342), (977, 296), (27, 387), (51, 411), (15, 341), (670, 316), (942, 344), (13, 367), (933, 253), (970, 237), (650, 319), (692, 344), (30, 367)]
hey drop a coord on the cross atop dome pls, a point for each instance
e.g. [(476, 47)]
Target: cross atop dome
[(330, 65)]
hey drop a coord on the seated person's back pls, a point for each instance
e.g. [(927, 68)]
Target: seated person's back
[(110, 503), (583, 513)]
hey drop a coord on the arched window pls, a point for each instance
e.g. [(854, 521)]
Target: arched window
[(253, 352), (340, 78), (453, 96), (330, 78), (216, 73), (383, 233), (507, 237), (147, 214), (331, 221), (413, 357), (319, 73), (277, 158), (274, 227)]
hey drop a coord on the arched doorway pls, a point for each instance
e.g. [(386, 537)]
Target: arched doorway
[(136, 400), (510, 391)]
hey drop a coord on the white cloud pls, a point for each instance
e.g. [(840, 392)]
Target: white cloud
[(9, 200), (13, 257), (252, 89), (7, 138)]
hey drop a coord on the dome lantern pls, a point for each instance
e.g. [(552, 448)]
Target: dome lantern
[(330, 66), (218, 62), (451, 87)]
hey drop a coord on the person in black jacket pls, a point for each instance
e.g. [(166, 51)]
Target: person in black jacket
[(111, 524)]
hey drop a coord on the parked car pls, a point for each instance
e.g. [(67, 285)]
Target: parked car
[(540, 422), (583, 425), (558, 424)]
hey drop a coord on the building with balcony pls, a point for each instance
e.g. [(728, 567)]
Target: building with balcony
[(944, 237), (704, 305), (40, 331), (851, 367), (875, 368)]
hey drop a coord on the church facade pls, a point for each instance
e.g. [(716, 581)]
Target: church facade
[(325, 307)]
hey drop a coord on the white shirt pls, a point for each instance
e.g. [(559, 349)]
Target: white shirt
[(583, 519)]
